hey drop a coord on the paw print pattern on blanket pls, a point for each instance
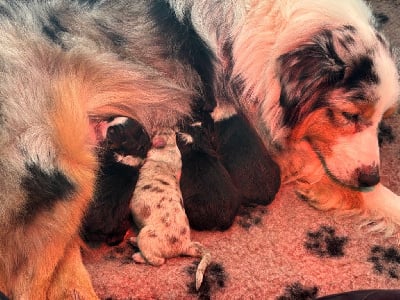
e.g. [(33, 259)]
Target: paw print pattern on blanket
[(386, 261), (296, 291), (385, 134), (122, 253), (325, 243), (250, 215), (214, 278)]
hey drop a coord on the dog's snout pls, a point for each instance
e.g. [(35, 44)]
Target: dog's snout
[(368, 176)]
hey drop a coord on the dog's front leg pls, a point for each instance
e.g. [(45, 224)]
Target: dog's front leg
[(71, 279), (379, 207)]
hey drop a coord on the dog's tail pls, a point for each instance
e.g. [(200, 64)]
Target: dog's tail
[(198, 250)]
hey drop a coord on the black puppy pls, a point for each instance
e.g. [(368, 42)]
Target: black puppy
[(210, 198), (245, 157), (224, 165), (109, 216)]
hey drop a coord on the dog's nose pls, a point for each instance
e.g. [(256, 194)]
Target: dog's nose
[(368, 176)]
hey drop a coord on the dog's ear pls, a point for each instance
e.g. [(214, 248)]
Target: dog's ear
[(306, 73)]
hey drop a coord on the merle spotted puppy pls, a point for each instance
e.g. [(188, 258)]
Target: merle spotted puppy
[(109, 216), (157, 208), (210, 198)]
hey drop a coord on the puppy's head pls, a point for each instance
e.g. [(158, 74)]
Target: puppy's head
[(335, 90), (195, 137), (124, 136)]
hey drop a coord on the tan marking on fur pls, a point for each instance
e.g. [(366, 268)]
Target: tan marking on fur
[(128, 160), (223, 111), (318, 128), (320, 195), (391, 111)]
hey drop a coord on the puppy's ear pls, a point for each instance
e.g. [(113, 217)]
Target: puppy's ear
[(306, 73)]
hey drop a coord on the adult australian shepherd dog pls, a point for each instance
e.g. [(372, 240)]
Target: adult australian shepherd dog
[(314, 77)]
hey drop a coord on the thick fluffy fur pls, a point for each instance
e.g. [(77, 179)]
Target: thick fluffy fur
[(109, 217), (314, 77), (157, 208)]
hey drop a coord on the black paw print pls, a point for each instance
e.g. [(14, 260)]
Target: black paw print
[(296, 291), (386, 261), (385, 134), (325, 243), (122, 253), (250, 215), (214, 278)]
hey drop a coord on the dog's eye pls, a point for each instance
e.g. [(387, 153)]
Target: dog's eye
[(352, 117)]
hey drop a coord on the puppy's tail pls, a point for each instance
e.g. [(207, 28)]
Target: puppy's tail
[(198, 250)]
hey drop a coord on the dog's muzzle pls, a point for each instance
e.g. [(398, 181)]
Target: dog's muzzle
[(368, 176)]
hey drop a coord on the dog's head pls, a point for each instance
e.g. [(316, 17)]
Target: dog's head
[(335, 90)]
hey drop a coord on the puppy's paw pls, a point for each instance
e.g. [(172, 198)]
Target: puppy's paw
[(133, 241), (152, 260), (138, 258)]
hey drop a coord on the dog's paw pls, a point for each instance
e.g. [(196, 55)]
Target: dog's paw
[(133, 241), (138, 258), (381, 210)]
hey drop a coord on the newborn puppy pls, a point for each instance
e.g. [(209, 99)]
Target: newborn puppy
[(245, 157), (158, 211), (210, 198), (109, 216)]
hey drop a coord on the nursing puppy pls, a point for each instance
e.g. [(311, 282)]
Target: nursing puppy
[(157, 208), (210, 197), (109, 217)]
